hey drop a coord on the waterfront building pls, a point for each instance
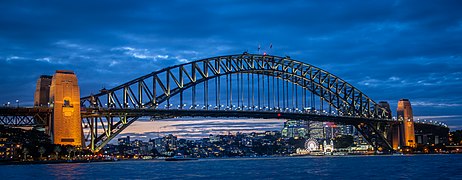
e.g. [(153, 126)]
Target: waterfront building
[(124, 141), (328, 147), (8, 149), (166, 145)]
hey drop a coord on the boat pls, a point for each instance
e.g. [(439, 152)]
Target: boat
[(179, 158)]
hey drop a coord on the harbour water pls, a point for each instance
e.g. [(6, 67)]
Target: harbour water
[(326, 167)]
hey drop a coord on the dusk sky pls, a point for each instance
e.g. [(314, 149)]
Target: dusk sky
[(387, 49)]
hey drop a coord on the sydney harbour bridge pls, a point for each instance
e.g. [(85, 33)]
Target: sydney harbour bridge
[(241, 86)]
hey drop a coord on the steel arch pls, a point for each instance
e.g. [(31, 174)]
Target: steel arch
[(148, 91)]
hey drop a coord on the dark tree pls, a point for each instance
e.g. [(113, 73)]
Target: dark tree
[(343, 141)]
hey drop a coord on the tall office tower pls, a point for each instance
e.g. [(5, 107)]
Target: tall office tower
[(295, 129), (404, 113), (345, 129), (316, 130), (66, 126), (42, 91)]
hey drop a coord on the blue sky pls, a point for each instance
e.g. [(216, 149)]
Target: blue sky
[(387, 49)]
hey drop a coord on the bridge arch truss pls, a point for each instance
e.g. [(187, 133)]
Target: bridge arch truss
[(245, 83)]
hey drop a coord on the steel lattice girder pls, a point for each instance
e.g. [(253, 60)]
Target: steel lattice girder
[(175, 79), (168, 82), (25, 116)]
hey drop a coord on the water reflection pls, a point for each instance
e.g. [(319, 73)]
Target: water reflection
[(65, 171), (327, 167)]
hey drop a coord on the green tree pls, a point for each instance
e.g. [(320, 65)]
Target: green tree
[(25, 151), (457, 136), (343, 141), (57, 150), (70, 149), (42, 150)]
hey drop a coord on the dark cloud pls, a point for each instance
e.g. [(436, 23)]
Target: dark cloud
[(388, 49)]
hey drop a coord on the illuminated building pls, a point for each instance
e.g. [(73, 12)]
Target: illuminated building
[(295, 129), (66, 126), (42, 91), (316, 130), (346, 130), (331, 130), (124, 141), (404, 114), (328, 148), (166, 145)]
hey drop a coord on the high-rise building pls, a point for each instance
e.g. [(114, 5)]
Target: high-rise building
[(42, 91), (296, 129), (166, 145), (124, 141), (317, 130), (346, 130), (66, 126), (404, 114)]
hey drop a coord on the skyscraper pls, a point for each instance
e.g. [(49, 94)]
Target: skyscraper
[(317, 130), (295, 129)]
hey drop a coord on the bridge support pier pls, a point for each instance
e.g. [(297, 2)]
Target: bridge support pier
[(66, 125)]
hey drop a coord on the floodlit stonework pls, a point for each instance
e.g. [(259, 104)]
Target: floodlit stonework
[(404, 112), (65, 100)]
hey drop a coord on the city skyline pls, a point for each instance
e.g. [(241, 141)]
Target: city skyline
[(389, 50)]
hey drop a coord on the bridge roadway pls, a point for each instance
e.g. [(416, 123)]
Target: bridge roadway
[(162, 113), (40, 116), (25, 116)]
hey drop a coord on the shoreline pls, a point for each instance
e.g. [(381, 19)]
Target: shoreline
[(51, 162), (257, 157)]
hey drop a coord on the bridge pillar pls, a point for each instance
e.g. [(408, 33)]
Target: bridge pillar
[(42, 91), (66, 126), (396, 133), (404, 113)]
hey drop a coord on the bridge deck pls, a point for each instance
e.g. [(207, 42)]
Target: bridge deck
[(25, 116), (225, 113)]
